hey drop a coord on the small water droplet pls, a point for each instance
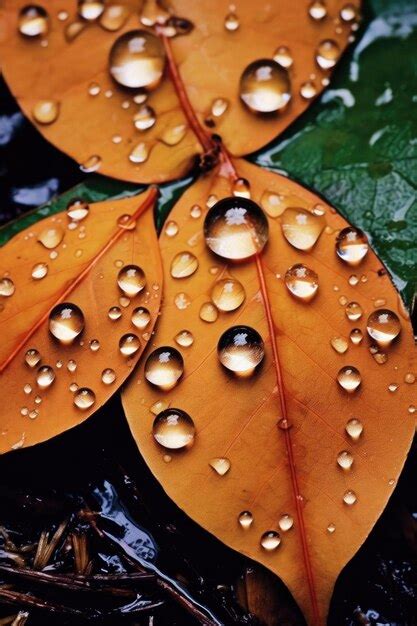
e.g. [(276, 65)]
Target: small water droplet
[(45, 111), (73, 29), (349, 497), (208, 312), (211, 200), (141, 317), (33, 414), (345, 460), (129, 344), (379, 302), (33, 21), (265, 86), (127, 222), (159, 406), (353, 311), (182, 300), (236, 228), (114, 17), (308, 90), (39, 271), (412, 409), (90, 165), (7, 287), (77, 209), (231, 22), (352, 245), (172, 135), (340, 344), (45, 376), (272, 203), (302, 282), (94, 89), (270, 540), (353, 280), (228, 294), (27, 389), (171, 228), (184, 264), (219, 107), (131, 280), (241, 188), (137, 60), (301, 228), (392, 387), (174, 429), (108, 376), (73, 387), (24, 411), (32, 357), (356, 336), (354, 428), (84, 398), (51, 237), (164, 367), (184, 338), (114, 313), (410, 378), (317, 10), (349, 378), (241, 349), (140, 153), (94, 345), (66, 322), (90, 10), (245, 519), (327, 54), (221, 465), (283, 57), (383, 326), (379, 357), (286, 522), (71, 365), (331, 528), (144, 118), (349, 13)]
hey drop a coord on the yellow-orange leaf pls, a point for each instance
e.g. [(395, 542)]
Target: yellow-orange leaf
[(94, 115), (236, 418), (81, 268)]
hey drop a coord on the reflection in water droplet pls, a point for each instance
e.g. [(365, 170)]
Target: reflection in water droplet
[(131, 280), (173, 429), (92, 164), (129, 344), (286, 522), (66, 322), (302, 228), (308, 90), (331, 528), (164, 367), (349, 378), (241, 188), (339, 344), (228, 294), (345, 460), (352, 245), (84, 398), (141, 317), (270, 540), (272, 203), (317, 10), (145, 118), (348, 13), (77, 209), (241, 349), (183, 264), (349, 497), (45, 376), (245, 519), (220, 465), (114, 17), (383, 326), (115, 313), (208, 312), (219, 106), (45, 111), (236, 228), (353, 311), (327, 54), (7, 287), (265, 86), (231, 22), (182, 300), (108, 376), (140, 153), (137, 59), (172, 135), (283, 57), (51, 237), (33, 21), (302, 282), (32, 357)]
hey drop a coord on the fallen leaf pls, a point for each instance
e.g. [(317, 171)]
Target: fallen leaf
[(84, 112), (236, 418), (81, 270)]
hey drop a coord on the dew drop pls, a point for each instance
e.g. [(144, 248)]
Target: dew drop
[(220, 465), (45, 111), (164, 367), (73, 387), (245, 519), (241, 188), (301, 228), (208, 312), (129, 344), (66, 322), (33, 414), (173, 429), (127, 222), (383, 326), (137, 59), (90, 10), (90, 165), (7, 287), (74, 29), (184, 264), (353, 280), (331, 528), (141, 317), (71, 365), (349, 378), (158, 406), (131, 280), (317, 10), (228, 294), (283, 57), (348, 13), (84, 398), (114, 313), (108, 376), (345, 460), (236, 228), (231, 22), (219, 107), (140, 153), (211, 200), (240, 349), (270, 540), (184, 338), (33, 21), (45, 376), (265, 86), (27, 389), (412, 409), (327, 54), (77, 209), (349, 497), (272, 203), (286, 522), (356, 336), (410, 378), (308, 90), (39, 271), (352, 245), (302, 282), (114, 17), (171, 228), (144, 118), (339, 344), (24, 411), (353, 311), (94, 345), (172, 135), (51, 237), (32, 357), (182, 301)]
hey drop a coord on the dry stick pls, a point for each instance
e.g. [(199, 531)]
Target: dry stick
[(146, 204)]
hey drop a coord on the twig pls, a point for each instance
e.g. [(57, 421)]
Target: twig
[(46, 546)]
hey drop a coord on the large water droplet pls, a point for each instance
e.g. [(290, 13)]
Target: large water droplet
[(141, 317), (245, 519), (270, 540), (137, 59), (174, 429), (352, 245), (7, 287), (327, 54), (349, 497), (39, 271), (144, 118), (302, 228), (45, 376), (129, 344), (84, 398), (77, 209), (265, 86), (164, 367), (32, 357), (302, 282), (353, 311), (45, 111), (383, 326), (241, 349), (236, 228), (183, 264), (131, 280), (33, 21), (228, 294), (354, 428), (221, 465), (66, 322), (317, 10), (345, 460), (349, 378), (51, 237), (184, 338)]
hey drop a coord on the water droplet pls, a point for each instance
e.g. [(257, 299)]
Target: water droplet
[(356, 336), (412, 409), (410, 378), (211, 200), (32, 357), (286, 522), (241, 349), (140, 153), (144, 118), (182, 300), (208, 312), (392, 387), (66, 322), (159, 406), (172, 135), (73, 29), (171, 228), (265, 86), (301, 228), (114, 17), (245, 519), (302, 282), (127, 222), (39, 271), (283, 57), (94, 345), (379, 357), (77, 209), (45, 376), (220, 465), (90, 165), (353, 280), (33, 414), (73, 387), (108, 376), (331, 528), (45, 111), (236, 228), (51, 237), (339, 344), (219, 107), (129, 344), (184, 338), (164, 367), (353, 311), (272, 203), (90, 10), (7, 287), (270, 540), (27, 389), (71, 365), (231, 22), (137, 59), (383, 326), (24, 411), (345, 460), (349, 378), (349, 13), (173, 429), (228, 294), (349, 497), (114, 313), (241, 188), (183, 264), (317, 10), (84, 398), (141, 317), (352, 245), (327, 54), (354, 428), (308, 90), (131, 280), (379, 302), (33, 21)]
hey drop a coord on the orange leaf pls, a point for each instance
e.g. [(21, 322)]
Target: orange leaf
[(95, 114), (291, 481), (81, 268)]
